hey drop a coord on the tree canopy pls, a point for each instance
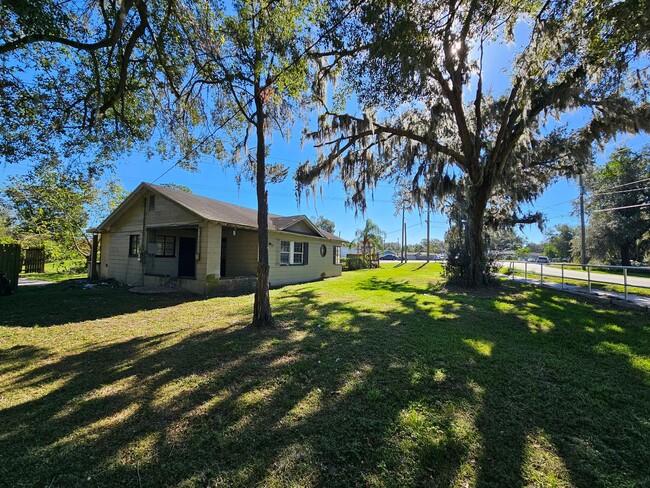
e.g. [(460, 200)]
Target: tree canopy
[(430, 115), (560, 237), (103, 76), (325, 224), (83, 77), (618, 208), (54, 204)]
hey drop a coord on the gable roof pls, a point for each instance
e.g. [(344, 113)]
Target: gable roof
[(215, 211)]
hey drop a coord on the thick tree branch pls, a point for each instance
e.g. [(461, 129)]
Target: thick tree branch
[(111, 40)]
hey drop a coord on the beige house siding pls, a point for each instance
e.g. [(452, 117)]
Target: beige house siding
[(116, 263), (316, 267), (168, 212), (241, 252), (128, 269), (301, 228), (209, 264), (104, 244)]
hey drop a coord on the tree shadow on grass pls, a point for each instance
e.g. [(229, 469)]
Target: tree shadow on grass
[(433, 390), (69, 302), (560, 406)]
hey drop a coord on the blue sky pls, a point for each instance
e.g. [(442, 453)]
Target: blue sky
[(212, 180)]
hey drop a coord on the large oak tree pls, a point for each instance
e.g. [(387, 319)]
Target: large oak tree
[(419, 70)]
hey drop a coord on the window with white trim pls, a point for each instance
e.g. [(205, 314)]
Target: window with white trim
[(297, 252), (285, 252), (337, 254), (293, 253)]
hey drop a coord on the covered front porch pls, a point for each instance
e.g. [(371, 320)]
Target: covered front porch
[(237, 256), (207, 259), (171, 251)]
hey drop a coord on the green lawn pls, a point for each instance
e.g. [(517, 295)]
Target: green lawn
[(60, 271), (380, 378)]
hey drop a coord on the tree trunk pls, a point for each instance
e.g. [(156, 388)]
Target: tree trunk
[(625, 255), (262, 309), (477, 272)]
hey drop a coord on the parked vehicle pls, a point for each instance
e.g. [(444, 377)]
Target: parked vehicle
[(542, 260), (388, 256)]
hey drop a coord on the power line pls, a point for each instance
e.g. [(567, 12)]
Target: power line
[(197, 145), (640, 205), (620, 191), (557, 204), (415, 225), (628, 184)]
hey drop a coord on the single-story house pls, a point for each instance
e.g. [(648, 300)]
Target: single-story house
[(159, 236)]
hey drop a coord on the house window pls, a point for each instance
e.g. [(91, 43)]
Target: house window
[(285, 252), (134, 245), (152, 202), (323, 250), (297, 253), (337, 254), (165, 246), (293, 253)]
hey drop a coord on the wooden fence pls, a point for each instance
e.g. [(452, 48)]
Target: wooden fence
[(34, 260), (10, 263)]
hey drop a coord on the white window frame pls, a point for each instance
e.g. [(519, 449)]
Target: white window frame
[(337, 254), (285, 252), (297, 254), (292, 256)]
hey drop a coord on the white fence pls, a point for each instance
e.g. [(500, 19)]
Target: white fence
[(618, 275)]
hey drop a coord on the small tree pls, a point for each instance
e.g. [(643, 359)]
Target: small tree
[(561, 237), (368, 240), (551, 251), (7, 231), (325, 224), (247, 77), (55, 202)]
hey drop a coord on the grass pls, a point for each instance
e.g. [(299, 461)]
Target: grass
[(381, 377), (60, 271), (583, 283)]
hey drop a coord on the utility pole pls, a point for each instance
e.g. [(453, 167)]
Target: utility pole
[(403, 234), (406, 255), (428, 230), (583, 250)]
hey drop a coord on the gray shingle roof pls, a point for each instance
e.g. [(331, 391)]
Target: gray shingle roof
[(217, 211)]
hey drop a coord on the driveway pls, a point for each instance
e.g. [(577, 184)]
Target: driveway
[(32, 282)]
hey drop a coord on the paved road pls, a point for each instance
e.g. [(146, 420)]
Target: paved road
[(581, 275)]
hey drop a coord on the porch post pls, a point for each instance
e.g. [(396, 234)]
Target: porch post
[(92, 266)]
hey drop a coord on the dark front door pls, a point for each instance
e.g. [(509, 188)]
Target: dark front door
[(186, 262), (223, 256)]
